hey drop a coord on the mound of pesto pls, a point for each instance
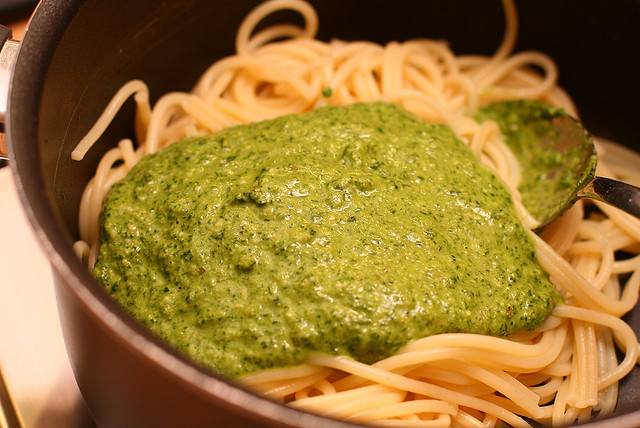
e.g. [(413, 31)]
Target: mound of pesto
[(346, 231)]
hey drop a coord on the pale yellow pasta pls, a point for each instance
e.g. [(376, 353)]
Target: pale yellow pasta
[(566, 371)]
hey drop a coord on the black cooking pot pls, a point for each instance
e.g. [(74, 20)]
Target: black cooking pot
[(76, 54)]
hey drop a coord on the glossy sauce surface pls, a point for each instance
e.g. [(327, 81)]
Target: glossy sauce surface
[(346, 231)]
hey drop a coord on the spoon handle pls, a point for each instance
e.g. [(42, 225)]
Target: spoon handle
[(616, 193)]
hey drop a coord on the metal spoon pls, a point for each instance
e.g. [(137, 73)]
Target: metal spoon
[(557, 158)]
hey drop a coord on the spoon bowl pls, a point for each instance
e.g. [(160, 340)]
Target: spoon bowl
[(558, 160)]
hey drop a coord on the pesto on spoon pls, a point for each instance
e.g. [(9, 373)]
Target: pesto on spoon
[(557, 159)]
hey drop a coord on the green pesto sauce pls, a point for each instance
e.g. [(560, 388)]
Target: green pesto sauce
[(346, 231)]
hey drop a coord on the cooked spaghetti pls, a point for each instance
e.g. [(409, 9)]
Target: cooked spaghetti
[(565, 371)]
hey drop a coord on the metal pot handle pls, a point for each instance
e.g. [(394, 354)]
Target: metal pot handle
[(8, 55)]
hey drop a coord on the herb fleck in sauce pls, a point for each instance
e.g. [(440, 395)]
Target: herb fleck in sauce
[(349, 230)]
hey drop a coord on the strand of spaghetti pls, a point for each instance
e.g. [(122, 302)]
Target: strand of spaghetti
[(522, 83), (594, 229), (100, 188), (561, 233), (482, 135), (607, 361), (535, 380), (560, 405), (496, 399), (362, 82), (507, 44), (273, 33), (341, 51), (178, 128), (279, 390), (142, 115), (391, 379), (434, 60), (559, 97), (451, 374), (126, 91), (442, 53), (440, 421), (586, 265), (406, 408), (240, 113), (243, 92), (128, 153), (253, 18), (430, 110), (560, 368), (515, 356), (333, 404), (491, 91), (619, 240), (116, 174), (266, 71), (624, 221), (272, 375), (215, 80), (505, 384), (353, 63), (470, 64), (93, 197), (489, 421), (529, 78), (580, 289), (506, 163), (561, 365), (263, 70), (440, 372), (365, 86), (303, 393), (530, 222), (392, 67), (457, 102), (424, 76), (464, 86), (84, 213), (466, 420), (627, 265), (612, 287), (208, 117), (486, 343), (162, 112), (623, 329), (295, 52), (81, 250), (472, 387), (590, 247), (547, 390), (324, 386), (583, 391), (605, 267), (347, 409), (342, 96), (464, 127), (633, 282)]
